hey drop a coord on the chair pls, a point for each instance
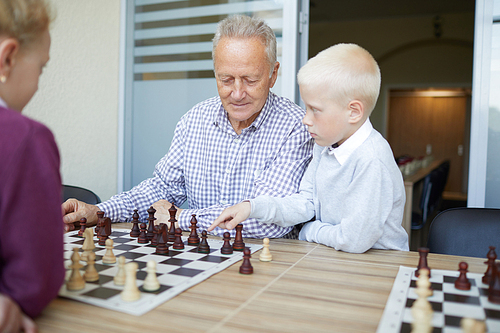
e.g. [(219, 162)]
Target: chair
[(465, 231), (79, 193)]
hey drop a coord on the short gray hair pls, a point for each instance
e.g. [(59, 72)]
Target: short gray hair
[(348, 71), (242, 26)]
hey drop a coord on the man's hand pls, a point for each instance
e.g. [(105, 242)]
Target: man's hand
[(232, 216), (73, 210), (162, 214), (12, 319)]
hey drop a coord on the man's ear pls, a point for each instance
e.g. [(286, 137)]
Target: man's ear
[(9, 49), (357, 111)]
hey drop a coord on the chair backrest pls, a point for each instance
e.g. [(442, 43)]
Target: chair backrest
[(465, 231), (80, 193)]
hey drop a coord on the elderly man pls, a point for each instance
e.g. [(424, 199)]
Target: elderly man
[(243, 143)]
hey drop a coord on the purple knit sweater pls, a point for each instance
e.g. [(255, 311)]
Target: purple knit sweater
[(31, 227)]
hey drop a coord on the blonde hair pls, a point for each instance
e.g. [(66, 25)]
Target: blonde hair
[(24, 20), (349, 71), (242, 26)]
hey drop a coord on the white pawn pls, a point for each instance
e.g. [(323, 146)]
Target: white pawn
[(88, 244), (119, 278), (75, 281), (470, 325), (91, 274), (130, 292), (421, 309), (109, 257), (265, 255), (151, 282)]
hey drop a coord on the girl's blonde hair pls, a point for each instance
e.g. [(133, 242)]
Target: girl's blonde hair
[(24, 20)]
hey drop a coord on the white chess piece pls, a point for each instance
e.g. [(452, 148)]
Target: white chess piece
[(421, 309), (75, 281), (265, 255), (88, 244), (109, 256), (130, 292), (91, 274), (119, 278), (151, 282), (470, 325)]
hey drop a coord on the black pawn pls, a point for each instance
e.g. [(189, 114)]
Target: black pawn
[(178, 244), (462, 282), (492, 256), (193, 238), (151, 225), (227, 248), (83, 226), (204, 247), (135, 232), (422, 261), (143, 239), (246, 266), (162, 247), (238, 244)]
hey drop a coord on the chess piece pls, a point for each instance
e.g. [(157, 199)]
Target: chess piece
[(75, 281), (109, 257), (492, 256), (91, 274), (203, 247), (107, 227), (470, 325), (100, 217), (102, 235), (265, 255), (119, 278), (143, 239), (130, 292), (227, 248), (422, 262), (171, 231), (88, 244), (151, 282), (238, 244), (151, 225), (83, 226), (193, 238), (154, 240), (162, 247), (462, 282), (178, 244), (421, 309), (494, 289), (246, 266), (135, 227)]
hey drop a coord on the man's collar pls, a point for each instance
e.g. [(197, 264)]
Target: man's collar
[(345, 150)]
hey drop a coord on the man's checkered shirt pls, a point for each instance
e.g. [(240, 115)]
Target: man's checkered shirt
[(212, 167)]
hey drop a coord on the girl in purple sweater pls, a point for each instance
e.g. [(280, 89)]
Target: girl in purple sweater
[(31, 229)]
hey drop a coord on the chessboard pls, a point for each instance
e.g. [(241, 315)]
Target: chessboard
[(177, 271), (449, 304)]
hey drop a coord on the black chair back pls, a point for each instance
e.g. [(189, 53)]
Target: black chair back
[(80, 193), (465, 232)]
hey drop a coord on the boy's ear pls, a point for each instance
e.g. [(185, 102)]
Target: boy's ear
[(9, 49), (357, 111)]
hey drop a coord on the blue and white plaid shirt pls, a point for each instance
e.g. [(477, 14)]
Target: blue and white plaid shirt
[(213, 167)]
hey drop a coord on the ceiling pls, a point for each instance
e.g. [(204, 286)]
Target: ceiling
[(342, 10)]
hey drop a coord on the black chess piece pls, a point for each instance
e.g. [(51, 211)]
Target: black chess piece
[(494, 289), (492, 256), (83, 226), (246, 266), (238, 244), (203, 247), (143, 239), (422, 261), (151, 226), (135, 232), (171, 231), (462, 282), (154, 240), (226, 247), (193, 238), (100, 217), (178, 243), (162, 247)]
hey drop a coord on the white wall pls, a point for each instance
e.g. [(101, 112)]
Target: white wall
[(78, 94)]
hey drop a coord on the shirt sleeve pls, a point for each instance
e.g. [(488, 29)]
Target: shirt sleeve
[(281, 178), (364, 212), (167, 183), (31, 240)]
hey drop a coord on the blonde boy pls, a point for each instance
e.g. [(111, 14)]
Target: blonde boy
[(352, 191)]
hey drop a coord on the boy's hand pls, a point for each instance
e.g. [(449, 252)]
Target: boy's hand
[(232, 216), (12, 319)]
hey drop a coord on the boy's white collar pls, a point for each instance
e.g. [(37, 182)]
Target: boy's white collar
[(343, 151)]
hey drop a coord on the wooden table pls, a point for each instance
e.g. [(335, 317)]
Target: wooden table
[(306, 288)]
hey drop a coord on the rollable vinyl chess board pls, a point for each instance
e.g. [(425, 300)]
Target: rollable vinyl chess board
[(177, 271), (449, 304)]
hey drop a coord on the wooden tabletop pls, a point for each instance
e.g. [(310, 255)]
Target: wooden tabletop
[(306, 288)]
